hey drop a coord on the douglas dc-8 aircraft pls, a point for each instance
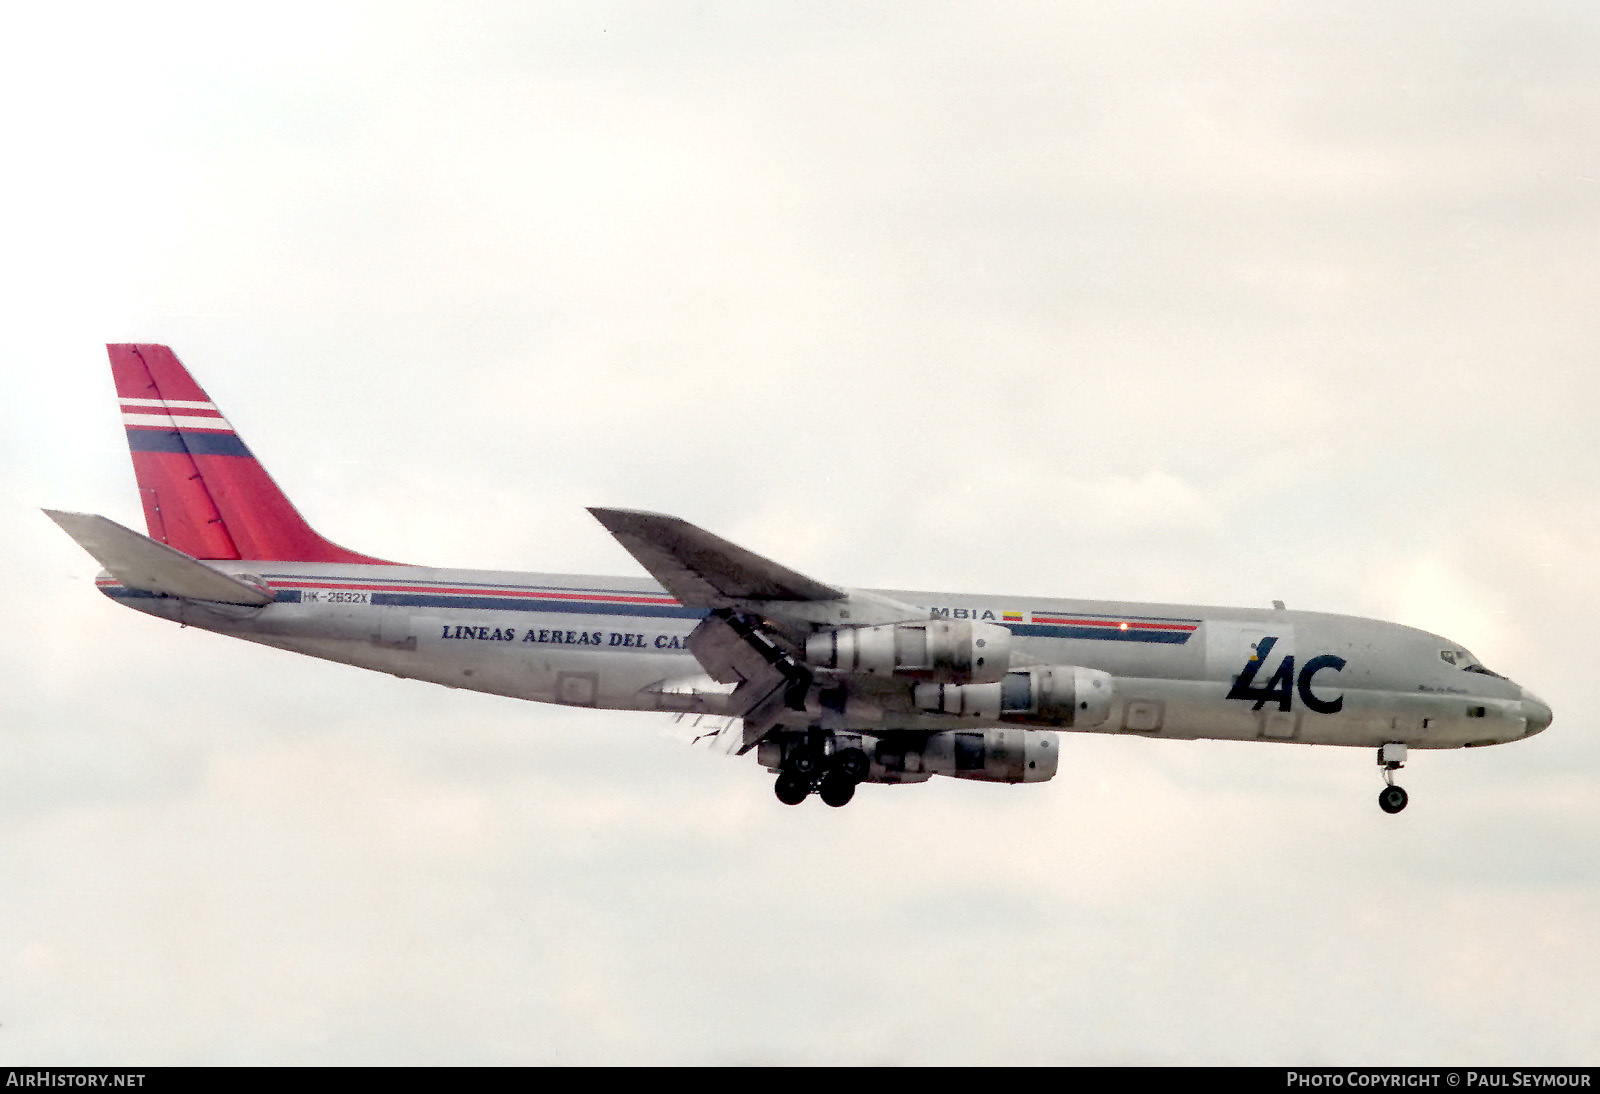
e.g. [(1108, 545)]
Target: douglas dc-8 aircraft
[(829, 686)]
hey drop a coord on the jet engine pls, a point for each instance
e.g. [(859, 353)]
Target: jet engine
[(1064, 695), (957, 651), (1000, 755), (1006, 754)]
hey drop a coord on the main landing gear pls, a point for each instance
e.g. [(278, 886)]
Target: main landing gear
[(1391, 758), (833, 777)]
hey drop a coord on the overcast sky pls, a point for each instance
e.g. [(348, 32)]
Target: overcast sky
[(1202, 303)]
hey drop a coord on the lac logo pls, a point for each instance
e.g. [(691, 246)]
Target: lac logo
[(1283, 684)]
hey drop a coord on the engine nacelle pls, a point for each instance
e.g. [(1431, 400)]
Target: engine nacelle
[(999, 755), (1063, 695), (958, 651)]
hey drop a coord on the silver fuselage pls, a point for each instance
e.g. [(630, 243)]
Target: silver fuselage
[(1180, 671)]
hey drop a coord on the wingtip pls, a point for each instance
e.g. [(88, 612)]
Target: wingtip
[(613, 518), (63, 517)]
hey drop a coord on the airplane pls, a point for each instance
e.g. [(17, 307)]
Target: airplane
[(829, 686)]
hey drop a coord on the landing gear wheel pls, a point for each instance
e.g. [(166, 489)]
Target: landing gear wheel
[(1391, 758), (837, 791), (791, 788), (1392, 799), (851, 764), (804, 762)]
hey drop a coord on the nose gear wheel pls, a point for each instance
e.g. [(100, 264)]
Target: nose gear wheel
[(1391, 758)]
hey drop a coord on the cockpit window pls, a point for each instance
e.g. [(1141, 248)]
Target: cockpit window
[(1464, 661)]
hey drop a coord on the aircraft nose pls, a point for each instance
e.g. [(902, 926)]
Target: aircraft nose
[(1536, 711)]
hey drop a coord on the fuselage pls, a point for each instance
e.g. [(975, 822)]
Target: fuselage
[(1179, 671)]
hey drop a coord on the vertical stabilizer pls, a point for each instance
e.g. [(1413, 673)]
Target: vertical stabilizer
[(203, 492)]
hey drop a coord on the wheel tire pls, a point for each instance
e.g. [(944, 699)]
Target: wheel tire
[(1392, 799), (851, 763), (791, 789), (836, 791)]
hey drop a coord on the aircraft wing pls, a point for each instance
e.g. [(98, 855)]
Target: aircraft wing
[(704, 570), (759, 612), (141, 563)]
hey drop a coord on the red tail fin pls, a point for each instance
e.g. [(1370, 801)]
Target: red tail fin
[(203, 492)]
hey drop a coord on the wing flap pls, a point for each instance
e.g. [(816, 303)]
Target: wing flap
[(769, 681), (141, 563)]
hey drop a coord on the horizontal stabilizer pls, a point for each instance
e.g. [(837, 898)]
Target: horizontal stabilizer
[(704, 570), (141, 563)]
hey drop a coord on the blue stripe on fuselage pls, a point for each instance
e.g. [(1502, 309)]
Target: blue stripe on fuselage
[(1100, 634)]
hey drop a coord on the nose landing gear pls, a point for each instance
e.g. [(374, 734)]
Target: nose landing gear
[(1391, 758)]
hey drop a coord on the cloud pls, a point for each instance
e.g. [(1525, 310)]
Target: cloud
[(1141, 303)]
